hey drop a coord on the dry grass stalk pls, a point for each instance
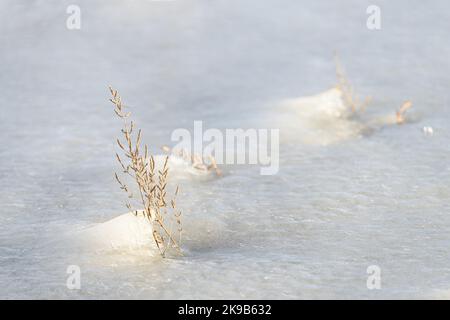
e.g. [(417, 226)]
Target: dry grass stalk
[(400, 114), (150, 182), (351, 100), (196, 160)]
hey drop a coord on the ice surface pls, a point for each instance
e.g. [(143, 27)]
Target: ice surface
[(310, 231)]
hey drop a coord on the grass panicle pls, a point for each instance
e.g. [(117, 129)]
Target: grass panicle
[(400, 114), (197, 161), (351, 99), (151, 184)]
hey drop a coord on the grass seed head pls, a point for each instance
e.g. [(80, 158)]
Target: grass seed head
[(141, 170)]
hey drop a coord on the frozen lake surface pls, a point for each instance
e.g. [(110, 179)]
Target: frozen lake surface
[(310, 231)]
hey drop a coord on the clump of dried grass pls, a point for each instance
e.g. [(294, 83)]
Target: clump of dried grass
[(150, 183), (351, 99), (197, 161), (400, 114), (353, 102)]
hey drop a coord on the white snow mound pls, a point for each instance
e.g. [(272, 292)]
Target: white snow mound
[(320, 119), (126, 231)]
